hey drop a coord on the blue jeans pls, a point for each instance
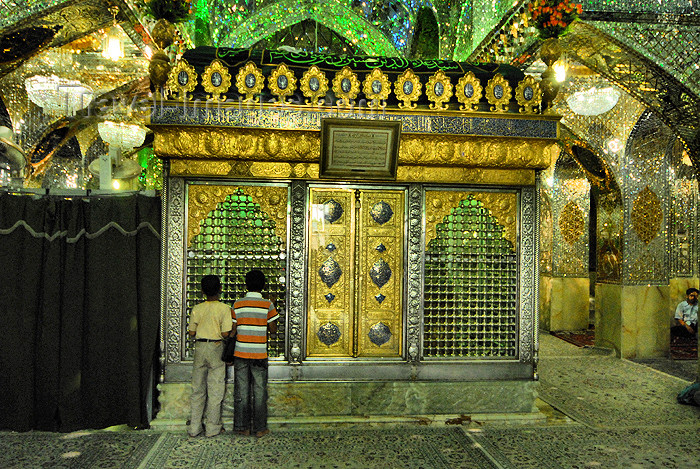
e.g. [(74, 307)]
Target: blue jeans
[(249, 395)]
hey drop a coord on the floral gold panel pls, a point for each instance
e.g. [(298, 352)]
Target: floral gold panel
[(229, 143), (476, 151), (355, 273), (305, 146), (502, 205), (203, 198), (571, 222), (647, 215), (331, 281), (380, 261)]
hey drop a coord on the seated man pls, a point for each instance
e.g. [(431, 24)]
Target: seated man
[(687, 315)]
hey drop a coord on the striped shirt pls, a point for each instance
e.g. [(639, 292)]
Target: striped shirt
[(251, 315)]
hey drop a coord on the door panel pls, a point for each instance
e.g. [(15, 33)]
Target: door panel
[(355, 273)]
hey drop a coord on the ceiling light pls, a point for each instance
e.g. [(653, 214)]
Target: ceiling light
[(593, 101), (58, 96)]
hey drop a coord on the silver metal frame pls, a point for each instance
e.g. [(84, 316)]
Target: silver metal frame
[(410, 367)]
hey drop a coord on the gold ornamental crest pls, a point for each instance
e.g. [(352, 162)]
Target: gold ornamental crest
[(439, 90), (376, 87), (314, 85), (407, 88), (282, 82), (250, 82), (469, 92), (529, 95), (182, 80), (346, 86), (216, 80), (498, 93)]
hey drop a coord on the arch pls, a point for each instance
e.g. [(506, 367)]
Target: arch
[(332, 15), (669, 99)]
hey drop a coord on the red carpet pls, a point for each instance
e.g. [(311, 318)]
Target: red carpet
[(681, 349)]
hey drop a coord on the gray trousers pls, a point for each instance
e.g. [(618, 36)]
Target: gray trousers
[(208, 387)]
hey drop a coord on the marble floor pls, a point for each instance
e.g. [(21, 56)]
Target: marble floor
[(597, 411)]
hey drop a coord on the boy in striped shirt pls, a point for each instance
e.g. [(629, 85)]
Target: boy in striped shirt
[(253, 316)]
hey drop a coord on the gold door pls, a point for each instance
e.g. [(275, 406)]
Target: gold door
[(355, 273)]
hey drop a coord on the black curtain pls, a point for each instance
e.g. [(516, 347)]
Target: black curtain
[(79, 308)]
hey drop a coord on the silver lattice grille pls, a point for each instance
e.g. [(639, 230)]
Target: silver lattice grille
[(236, 237), (471, 283)]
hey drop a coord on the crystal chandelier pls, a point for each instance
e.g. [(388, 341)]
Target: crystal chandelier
[(58, 96), (124, 136), (593, 101)]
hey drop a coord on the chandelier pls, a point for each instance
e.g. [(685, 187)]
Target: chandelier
[(58, 96), (593, 101), (124, 136)]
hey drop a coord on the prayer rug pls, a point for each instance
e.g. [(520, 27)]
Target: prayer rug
[(75, 450), (579, 338), (365, 447), (684, 348)]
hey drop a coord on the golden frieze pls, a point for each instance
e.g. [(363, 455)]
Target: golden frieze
[(376, 88), (250, 82), (529, 95), (571, 222), (282, 82), (476, 151), (439, 90), (647, 215), (199, 167), (272, 170), (509, 177), (498, 93), (216, 80), (182, 80), (232, 143), (502, 206), (314, 85), (407, 89), (346, 86), (469, 91), (305, 146)]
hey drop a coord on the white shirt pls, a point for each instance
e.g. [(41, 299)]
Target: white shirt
[(687, 312)]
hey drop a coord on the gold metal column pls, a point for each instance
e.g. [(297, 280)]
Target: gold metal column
[(355, 273)]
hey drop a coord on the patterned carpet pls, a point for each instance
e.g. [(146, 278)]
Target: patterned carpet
[(74, 450), (393, 447)]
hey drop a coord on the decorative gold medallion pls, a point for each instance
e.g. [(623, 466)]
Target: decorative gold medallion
[(376, 88), (498, 93), (314, 85), (469, 92), (439, 90), (182, 80), (216, 80), (529, 95), (282, 82), (250, 82), (647, 215), (407, 88), (346, 86)]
